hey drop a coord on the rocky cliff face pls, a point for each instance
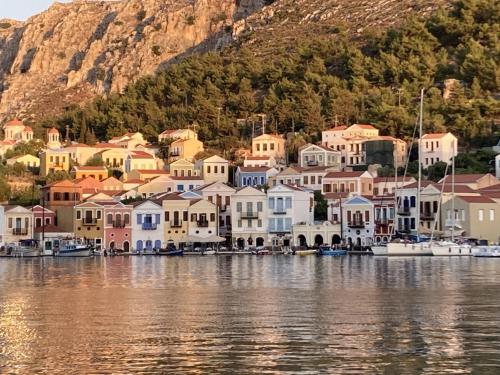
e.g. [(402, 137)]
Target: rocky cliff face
[(72, 52)]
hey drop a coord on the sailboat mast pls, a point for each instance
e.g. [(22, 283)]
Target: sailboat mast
[(419, 183), (453, 191)]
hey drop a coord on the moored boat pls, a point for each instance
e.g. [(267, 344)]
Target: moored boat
[(24, 248), (306, 252), (448, 248), (329, 251), (72, 248), (486, 251), (171, 251)]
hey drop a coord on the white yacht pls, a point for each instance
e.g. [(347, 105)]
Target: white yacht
[(486, 251), (449, 248), (403, 248)]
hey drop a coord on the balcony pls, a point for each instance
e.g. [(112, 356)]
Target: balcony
[(312, 163), (20, 231), (89, 221), (279, 212), (356, 224), (149, 226), (280, 230), (404, 211), (405, 229), (382, 221), (427, 216), (119, 224), (249, 215), (202, 223), (176, 224)]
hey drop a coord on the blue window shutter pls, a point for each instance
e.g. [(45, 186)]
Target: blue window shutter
[(139, 219)]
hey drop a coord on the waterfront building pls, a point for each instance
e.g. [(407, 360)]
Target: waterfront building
[(203, 222), (473, 181), (129, 141), (43, 217), (213, 169), (249, 215), (357, 183), (269, 145), (388, 185), (384, 215), (61, 197), (140, 160), (99, 173), (18, 224), (29, 161), (259, 161), (89, 223), (438, 147), (53, 139), (288, 205), (80, 153), (53, 161), (219, 194), (357, 220), (316, 234), (183, 168), (177, 134), (176, 218), (157, 185), (117, 226), (476, 216), (254, 176), (185, 149), (407, 207), (334, 202), (148, 226), (16, 131), (319, 156)]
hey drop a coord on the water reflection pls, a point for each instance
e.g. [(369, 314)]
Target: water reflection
[(250, 315)]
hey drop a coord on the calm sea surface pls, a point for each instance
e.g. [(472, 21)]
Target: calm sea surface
[(238, 315)]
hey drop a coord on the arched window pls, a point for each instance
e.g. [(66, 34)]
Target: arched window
[(149, 245), (118, 219), (126, 219), (109, 219)]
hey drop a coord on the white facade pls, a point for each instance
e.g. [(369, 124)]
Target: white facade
[(318, 156), (438, 147), (315, 234), (407, 209), (259, 161), (497, 165), (18, 224), (287, 206), (358, 221), (147, 226), (249, 218), (203, 221)]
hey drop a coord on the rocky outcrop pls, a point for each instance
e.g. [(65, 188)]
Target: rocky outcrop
[(72, 52)]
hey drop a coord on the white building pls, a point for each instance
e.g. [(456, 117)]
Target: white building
[(140, 160), (358, 221), (315, 234), (18, 224), (288, 205), (259, 161), (497, 165), (147, 226), (319, 156), (249, 218), (438, 147)]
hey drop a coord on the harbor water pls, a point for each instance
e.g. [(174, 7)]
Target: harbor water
[(250, 315)]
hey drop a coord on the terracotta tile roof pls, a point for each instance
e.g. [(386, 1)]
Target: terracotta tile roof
[(13, 122), (152, 171), (141, 155), (364, 126), (77, 145), (464, 178), (253, 169), (337, 128), (53, 131), (106, 145), (434, 135), (186, 178), (331, 196), (257, 158), (344, 174), (414, 185), (28, 129), (490, 188), (134, 181), (89, 168), (476, 199), (392, 179)]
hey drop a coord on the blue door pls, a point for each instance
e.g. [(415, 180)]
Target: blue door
[(139, 245), (157, 244), (149, 245)]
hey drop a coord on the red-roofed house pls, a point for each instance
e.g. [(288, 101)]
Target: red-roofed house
[(97, 172), (474, 181), (355, 183), (438, 147), (177, 134), (140, 160)]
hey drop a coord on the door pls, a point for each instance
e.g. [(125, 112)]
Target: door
[(126, 246), (280, 207), (149, 245)]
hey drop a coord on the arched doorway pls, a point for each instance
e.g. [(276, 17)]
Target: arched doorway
[(149, 245), (318, 240), (112, 245), (139, 245), (302, 240), (336, 239), (241, 243), (259, 241), (126, 247), (358, 241), (158, 244)]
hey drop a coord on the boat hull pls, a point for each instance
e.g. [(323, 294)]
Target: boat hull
[(451, 250), (379, 250), (333, 253), (75, 253), (175, 253), (486, 252), (408, 249), (305, 252)]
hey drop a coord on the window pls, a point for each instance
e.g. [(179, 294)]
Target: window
[(216, 169), (240, 223), (480, 215), (126, 219), (462, 213), (222, 169), (259, 206), (193, 218), (413, 201), (249, 207), (139, 218), (167, 215), (78, 214), (249, 223), (109, 219), (185, 216), (313, 180), (258, 147), (271, 203), (239, 207), (271, 146), (209, 169), (264, 147), (259, 223), (212, 217), (412, 223), (288, 202), (492, 215), (98, 214), (306, 180), (288, 223)]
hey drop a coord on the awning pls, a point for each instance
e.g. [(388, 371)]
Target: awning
[(209, 239)]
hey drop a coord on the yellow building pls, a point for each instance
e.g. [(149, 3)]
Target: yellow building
[(114, 158), (185, 149), (54, 160), (182, 168), (270, 145), (99, 173), (89, 223), (29, 161), (176, 218), (80, 153), (177, 134)]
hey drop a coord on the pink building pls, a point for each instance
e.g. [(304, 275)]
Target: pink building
[(43, 216), (117, 225)]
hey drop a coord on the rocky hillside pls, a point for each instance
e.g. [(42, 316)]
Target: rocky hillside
[(73, 52)]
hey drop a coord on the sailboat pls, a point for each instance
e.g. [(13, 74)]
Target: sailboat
[(451, 247), (407, 247)]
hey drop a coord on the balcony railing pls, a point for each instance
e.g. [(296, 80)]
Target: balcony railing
[(312, 163), (176, 224), (149, 226), (119, 224), (202, 223), (89, 221), (356, 224), (279, 212), (249, 215), (426, 216), (20, 231), (223, 208), (382, 221), (280, 230), (404, 211)]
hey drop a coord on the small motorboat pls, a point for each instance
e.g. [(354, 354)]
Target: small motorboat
[(208, 251), (171, 251), (25, 248), (261, 250), (73, 248), (486, 251), (329, 251), (306, 252)]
